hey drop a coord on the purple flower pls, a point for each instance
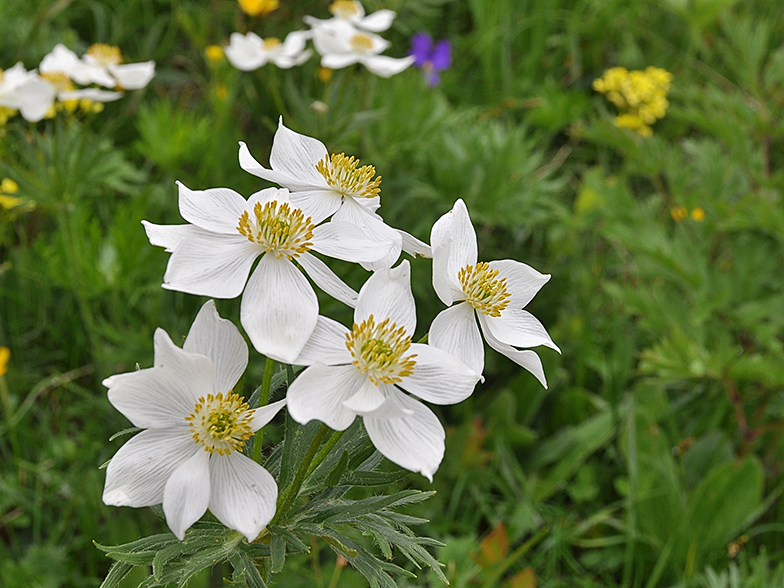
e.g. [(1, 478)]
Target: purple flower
[(431, 57)]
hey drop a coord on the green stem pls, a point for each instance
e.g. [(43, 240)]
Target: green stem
[(331, 442), (287, 497), (266, 383)]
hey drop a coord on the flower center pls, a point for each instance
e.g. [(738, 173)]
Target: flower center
[(361, 43), (344, 176), (378, 350), (220, 423), (105, 54), (270, 43), (278, 228), (482, 288), (344, 8), (60, 80)]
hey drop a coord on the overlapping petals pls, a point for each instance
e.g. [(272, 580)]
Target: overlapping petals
[(492, 293), (176, 463), (249, 52), (213, 256), (361, 372), (353, 12), (101, 65)]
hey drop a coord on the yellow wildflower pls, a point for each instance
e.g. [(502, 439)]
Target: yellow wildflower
[(698, 215), (258, 7), (641, 96), (214, 53), (678, 213), (324, 74), (5, 355), (8, 186)]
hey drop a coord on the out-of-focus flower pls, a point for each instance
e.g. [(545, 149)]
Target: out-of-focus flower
[(258, 7), (430, 57), (340, 44), (697, 214), (324, 74), (8, 187), (679, 212), (213, 53), (5, 355), (101, 64), (493, 293), (641, 96), (26, 92), (71, 98), (249, 52), (213, 257), (352, 12), (189, 457), (358, 372), (325, 185)]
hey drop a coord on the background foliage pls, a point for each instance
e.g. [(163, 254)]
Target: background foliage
[(655, 457)]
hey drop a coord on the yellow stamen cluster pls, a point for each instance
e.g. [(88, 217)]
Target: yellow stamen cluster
[(641, 96), (270, 43), (8, 187), (343, 175), (60, 80), (361, 43), (278, 228), (221, 424), (105, 54), (378, 350), (258, 7), (483, 289), (344, 8)]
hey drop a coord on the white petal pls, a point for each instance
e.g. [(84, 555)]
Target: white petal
[(518, 328), (264, 414), (327, 345), (379, 21), (414, 442), (317, 204), (138, 472), (339, 60), (387, 294), (243, 493), (245, 52), (455, 331), (525, 358), (286, 61), (187, 493), (217, 210), (295, 42), (384, 66), (167, 236), (279, 309), (325, 279), (414, 246), (346, 241), (35, 98), (374, 228), (463, 250), (365, 400), (162, 396), (133, 76), (90, 94), (222, 342), (210, 264), (522, 281), (319, 392), (297, 155), (439, 377)]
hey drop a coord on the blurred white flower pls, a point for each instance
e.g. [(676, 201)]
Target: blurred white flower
[(26, 92), (353, 12), (101, 64), (189, 457), (213, 257), (340, 44), (249, 52), (358, 371), (494, 293), (325, 185)]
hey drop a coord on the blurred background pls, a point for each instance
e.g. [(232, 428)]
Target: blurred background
[(655, 456)]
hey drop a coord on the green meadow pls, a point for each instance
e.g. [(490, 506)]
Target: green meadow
[(655, 456)]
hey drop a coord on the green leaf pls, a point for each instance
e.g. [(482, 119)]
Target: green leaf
[(278, 552), (245, 571), (117, 572), (333, 479)]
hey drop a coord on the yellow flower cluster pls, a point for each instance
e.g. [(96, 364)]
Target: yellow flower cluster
[(641, 96), (8, 187), (680, 212)]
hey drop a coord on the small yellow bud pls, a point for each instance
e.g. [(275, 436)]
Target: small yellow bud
[(5, 355), (698, 215), (214, 53), (258, 7), (8, 186), (678, 213), (324, 74), (221, 92)]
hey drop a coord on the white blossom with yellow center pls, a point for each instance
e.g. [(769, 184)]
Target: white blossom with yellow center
[(101, 64), (189, 455), (353, 13), (26, 92), (364, 370), (249, 52), (214, 254), (493, 293), (335, 185)]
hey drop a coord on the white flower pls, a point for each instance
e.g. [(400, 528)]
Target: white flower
[(189, 456), (353, 12), (358, 371), (101, 64), (340, 44), (213, 257), (249, 52), (323, 185), (494, 292), (26, 92)]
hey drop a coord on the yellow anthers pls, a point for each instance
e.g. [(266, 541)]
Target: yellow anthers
[(59, 80), (641, 96), (483, 289), (270, 43), (343, 175), (221, 424), (361, 43), (258, 7), (378, 350), (344, 8), (278, 228), (105, 54)]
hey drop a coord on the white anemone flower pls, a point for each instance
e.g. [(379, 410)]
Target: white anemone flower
[(325, 185), (494, 293), (189, 457), (26, 92), (249, 52), (360, 372), (213, 256), (340, 44), (353, 12), (101, 64)]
